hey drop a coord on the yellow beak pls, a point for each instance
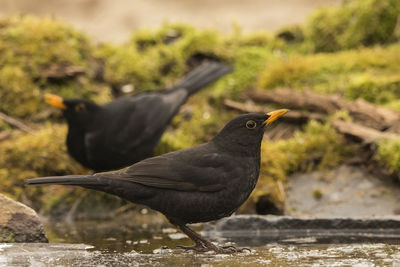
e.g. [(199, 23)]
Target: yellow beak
[(55, 101), (274, 115)]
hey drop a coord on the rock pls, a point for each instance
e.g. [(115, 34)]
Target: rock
[(19, 223), (345, 191)]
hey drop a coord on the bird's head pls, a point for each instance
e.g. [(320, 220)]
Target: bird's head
[(246, 131), (76, 111)]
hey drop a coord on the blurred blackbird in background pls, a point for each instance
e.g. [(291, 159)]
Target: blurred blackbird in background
[(198, 184), (128, 129)]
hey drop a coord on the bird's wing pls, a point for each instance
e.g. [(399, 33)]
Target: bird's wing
[(144, 116), (191, 171)]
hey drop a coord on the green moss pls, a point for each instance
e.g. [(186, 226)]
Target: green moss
[(18, 93), (6, 235), (248, 63), (354, 23), (388, 155), (155, 59), (27, 156), (288, 72), (370, 73), (380, 89), (30, 47), (126, 64), (317, 194), (291, 34), (41, 40), (319, 146)]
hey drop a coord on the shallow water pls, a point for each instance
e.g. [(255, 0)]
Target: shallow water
[(94, 243), (272, 254)]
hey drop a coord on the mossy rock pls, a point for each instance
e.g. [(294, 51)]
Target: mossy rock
[(33, 155), (291, 34), (388, 155), (355, 23), (155, 59), (33, 52), (369, 73)]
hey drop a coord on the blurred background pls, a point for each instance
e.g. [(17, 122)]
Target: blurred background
[(114, 21), (335, 64)]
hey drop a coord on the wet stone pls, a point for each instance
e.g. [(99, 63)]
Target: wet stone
[(19, 223), (341, 192)]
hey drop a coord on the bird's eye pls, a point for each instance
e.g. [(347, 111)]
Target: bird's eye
[(251, 124), (80, 107)]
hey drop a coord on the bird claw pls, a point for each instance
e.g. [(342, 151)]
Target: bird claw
[(203, 245), (197, 248), (235, 249), (217, 249), (230, 250)]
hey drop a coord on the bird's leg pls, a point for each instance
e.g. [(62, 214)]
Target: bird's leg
[(203, 245), (198, 240)]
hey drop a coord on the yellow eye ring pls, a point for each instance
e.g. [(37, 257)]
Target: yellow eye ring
[(251, 124)]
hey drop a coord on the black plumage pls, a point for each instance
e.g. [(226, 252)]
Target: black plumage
[(127, 129), (198, 184)]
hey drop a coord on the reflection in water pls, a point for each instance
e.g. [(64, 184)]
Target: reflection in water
[(310, 236), (146, 237), (116, 243)]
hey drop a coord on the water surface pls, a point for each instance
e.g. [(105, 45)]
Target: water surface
[(115, 243)]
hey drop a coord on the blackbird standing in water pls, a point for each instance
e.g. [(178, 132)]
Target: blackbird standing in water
[(198, 184), (128, 129)]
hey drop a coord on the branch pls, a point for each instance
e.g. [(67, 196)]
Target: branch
[(293, 116), (360, 110), (361, 133), (16, 123), (4, 135)]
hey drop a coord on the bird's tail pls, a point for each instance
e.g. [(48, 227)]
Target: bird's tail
[(100, 182), (202, 76), (78, 180)]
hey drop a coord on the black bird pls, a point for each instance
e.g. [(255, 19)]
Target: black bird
[(128, 129), (198, 184)]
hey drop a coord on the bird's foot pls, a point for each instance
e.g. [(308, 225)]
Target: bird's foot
[(201, 248), (225, 249), (229, 250), (203, 245), (197, 248), (235, 249), (194, 248)]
